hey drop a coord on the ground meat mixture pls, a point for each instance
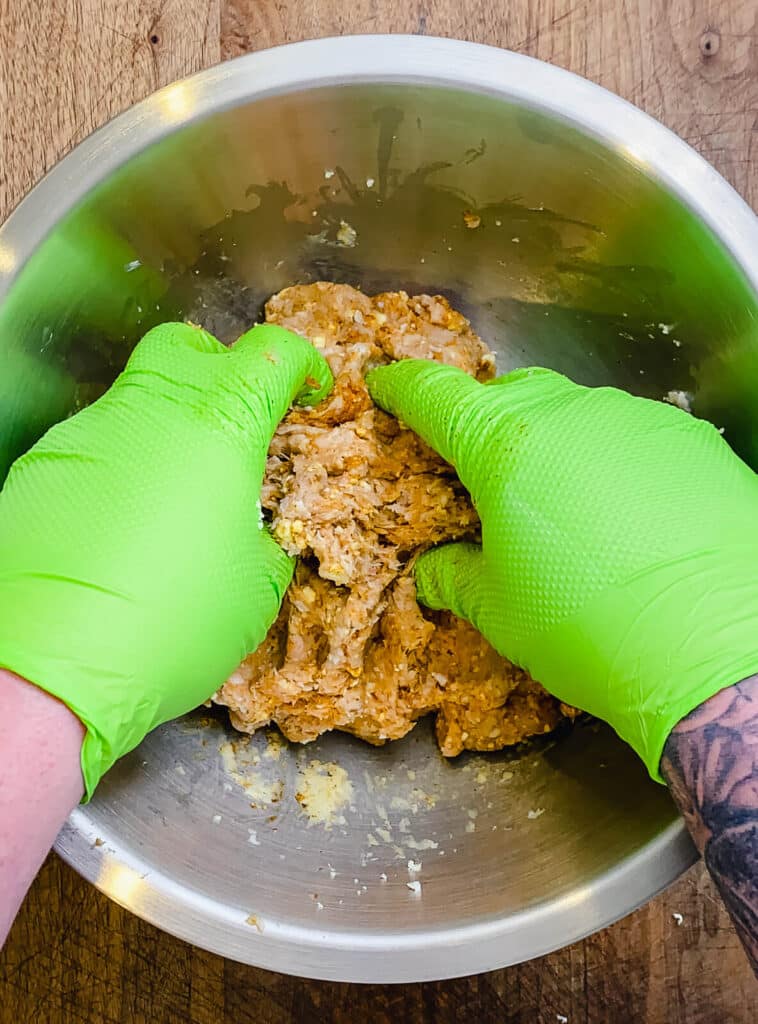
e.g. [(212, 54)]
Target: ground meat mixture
[(356, 496)]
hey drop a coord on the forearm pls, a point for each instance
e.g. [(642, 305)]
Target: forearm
[(40, 782), (710, 762)]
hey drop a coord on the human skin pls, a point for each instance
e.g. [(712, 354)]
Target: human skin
[(710, 763), (40, 783)]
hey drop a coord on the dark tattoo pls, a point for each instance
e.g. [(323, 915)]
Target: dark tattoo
[(710, 762)]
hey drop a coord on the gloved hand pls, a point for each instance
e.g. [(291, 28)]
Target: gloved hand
[(135, 573), (619, 558)]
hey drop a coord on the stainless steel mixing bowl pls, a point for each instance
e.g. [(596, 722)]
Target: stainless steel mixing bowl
[(606, 248)]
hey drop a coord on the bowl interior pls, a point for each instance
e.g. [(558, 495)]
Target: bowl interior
[(582, 261)]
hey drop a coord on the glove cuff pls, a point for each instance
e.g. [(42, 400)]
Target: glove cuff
[(644, 654)]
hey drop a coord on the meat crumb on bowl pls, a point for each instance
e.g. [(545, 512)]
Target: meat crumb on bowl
[(356, 496)]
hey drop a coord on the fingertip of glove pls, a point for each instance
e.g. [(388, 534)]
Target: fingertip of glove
[(390, 385), (318, 382), (296, 355), (427, 591), (261, 337), (178, 334), (378, 381), (282, 567), (431, 574)]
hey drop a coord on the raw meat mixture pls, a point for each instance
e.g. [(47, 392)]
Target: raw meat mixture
[(356, 496)]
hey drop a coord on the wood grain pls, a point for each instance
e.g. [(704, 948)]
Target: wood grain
[(689, 63), (67, 66)]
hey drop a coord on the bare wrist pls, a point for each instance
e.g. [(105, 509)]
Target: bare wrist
[(53, 729), (40, 744)]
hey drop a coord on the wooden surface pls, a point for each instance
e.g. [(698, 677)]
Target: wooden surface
[(66, 66)]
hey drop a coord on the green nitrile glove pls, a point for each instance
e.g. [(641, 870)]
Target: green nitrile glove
[(619, 558), (135, 573)]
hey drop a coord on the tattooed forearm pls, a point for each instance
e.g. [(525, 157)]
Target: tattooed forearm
[(710, 762)]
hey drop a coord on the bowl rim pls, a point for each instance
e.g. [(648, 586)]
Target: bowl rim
[(405, 59), (427, 61), (431, 954)]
